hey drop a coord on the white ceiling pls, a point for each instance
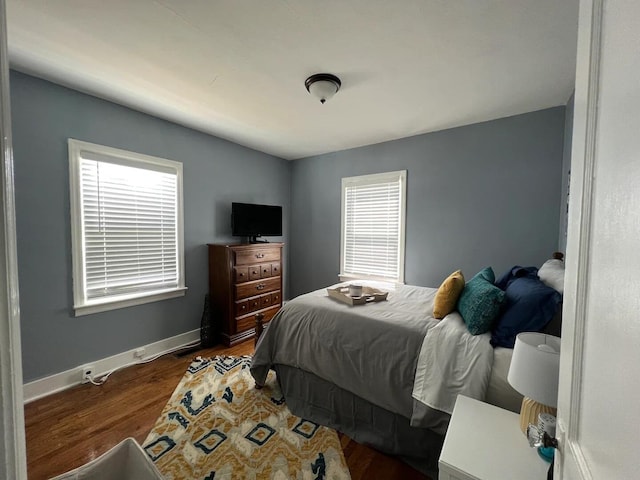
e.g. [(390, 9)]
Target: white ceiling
[(236, 68)]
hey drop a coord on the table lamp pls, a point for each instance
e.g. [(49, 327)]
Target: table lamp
[(533, 372)]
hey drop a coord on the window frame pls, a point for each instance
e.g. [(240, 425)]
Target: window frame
[(372, 179), (82, 305)]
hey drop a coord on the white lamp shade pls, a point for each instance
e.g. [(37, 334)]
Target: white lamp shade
[(323, 90), (535, 366)]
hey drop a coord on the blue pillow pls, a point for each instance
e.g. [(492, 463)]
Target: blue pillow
[(515, 272), (530, 306), (480, 301)]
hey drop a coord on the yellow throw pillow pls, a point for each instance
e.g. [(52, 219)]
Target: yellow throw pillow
[(448, 294)]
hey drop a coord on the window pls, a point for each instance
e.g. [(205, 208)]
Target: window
[(373, 219), (127, 234)]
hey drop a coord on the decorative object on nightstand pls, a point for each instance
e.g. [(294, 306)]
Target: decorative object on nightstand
[(534, 371), (542, 436), (546, 425)]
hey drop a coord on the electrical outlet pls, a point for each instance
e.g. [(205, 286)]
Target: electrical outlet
[(139, 352), (86, 372)]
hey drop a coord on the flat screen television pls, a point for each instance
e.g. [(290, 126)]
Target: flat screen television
[(254, 221)]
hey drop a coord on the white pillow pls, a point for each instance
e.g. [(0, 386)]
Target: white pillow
[(552, 274)]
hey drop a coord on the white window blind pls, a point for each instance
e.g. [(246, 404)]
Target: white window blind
[(373, 226), (129, 235)]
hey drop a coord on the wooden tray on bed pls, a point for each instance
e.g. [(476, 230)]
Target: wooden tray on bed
[(369, 294)]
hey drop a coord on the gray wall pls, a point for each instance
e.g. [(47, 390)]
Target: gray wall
[(216, 172), (483, 194), (566, 169)]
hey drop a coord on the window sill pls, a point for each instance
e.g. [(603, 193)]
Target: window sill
[(348, 277), (123, 301)]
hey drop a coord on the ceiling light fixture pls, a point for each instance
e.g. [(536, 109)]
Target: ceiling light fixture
[(323, 86)]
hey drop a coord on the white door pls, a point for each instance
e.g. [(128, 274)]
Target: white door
[(598, 414), (13, 464)]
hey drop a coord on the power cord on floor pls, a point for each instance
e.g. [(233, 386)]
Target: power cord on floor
[(102, 378)]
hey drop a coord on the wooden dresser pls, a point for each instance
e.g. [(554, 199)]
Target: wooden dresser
[(244, 280)]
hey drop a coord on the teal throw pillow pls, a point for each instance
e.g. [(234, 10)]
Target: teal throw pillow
[(487, 274), (480, 302)]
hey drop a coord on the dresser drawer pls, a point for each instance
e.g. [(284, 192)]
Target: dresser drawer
[(266, 301), (259, 255), (254, 272), (253, 304), (275, 269), (242, 308), (275, 298), (241, 274), (245, 323), (250, 289), (265, 270)]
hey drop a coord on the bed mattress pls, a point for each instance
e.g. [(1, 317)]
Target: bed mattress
[(374, 350)]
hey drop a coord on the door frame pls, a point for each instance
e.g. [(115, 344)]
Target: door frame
[(571, 460), (13, 457)]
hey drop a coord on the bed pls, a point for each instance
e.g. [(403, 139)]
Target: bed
[(387, 374), (353, 367)]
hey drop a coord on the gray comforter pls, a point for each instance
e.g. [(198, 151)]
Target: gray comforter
[(370, 350)]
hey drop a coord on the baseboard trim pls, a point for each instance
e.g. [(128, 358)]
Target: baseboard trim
[(69, 378)]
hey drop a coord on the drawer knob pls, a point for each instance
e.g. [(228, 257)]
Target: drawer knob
[(259, 255), (260, 286)]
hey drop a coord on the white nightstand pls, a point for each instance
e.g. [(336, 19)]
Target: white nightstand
[(484, 442)]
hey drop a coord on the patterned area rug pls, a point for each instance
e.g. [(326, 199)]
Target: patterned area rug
[(217, 426)]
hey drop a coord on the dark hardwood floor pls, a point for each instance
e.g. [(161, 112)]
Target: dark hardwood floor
[(70, 428)]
